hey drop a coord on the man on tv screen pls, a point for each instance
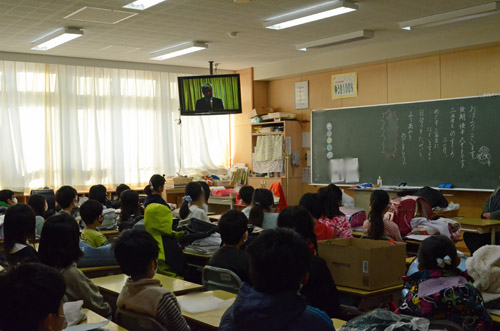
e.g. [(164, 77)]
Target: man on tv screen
[(208, 102)]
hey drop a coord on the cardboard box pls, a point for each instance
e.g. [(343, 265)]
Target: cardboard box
[(173, 182), (259, 111), (364, 264), (279, 116)]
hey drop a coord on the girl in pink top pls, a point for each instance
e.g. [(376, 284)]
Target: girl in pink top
[(375, 227), (331, 196)]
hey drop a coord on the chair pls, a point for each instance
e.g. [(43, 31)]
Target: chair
[(133, 321), (220, 279), (445, 325)]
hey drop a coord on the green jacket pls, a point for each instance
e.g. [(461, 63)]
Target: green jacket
[(495, 214), (158, 222)]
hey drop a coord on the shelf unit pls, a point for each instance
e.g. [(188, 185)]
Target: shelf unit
[(291, 177)]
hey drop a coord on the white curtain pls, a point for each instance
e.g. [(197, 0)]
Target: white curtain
[(73, 125)]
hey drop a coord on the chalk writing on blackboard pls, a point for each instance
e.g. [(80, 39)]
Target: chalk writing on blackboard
[(403, 150), (410, 126), (452, 132), (421, 120), (389, 133), (472, 135), (436, 129), (484, 156)]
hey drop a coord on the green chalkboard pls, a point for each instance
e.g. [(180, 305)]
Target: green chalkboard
[(452, 141)]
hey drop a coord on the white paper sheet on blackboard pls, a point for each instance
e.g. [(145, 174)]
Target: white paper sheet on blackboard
[(337, 171)]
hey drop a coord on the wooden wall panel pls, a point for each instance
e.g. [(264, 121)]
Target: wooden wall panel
[(372, 86), (470, 73), (241, 137), (260, 90), (415, 79)]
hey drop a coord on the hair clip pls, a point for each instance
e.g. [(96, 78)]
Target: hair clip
[(442, 262), (257, 203), (187, 198)]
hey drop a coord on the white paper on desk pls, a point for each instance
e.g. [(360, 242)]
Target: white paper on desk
[(306, 139), (418, 237), (308, 158), (337, 171), (351, 166), (194, 304), (87, 326), (73, 312)]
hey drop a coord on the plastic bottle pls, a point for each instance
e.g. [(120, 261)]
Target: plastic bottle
[(379, 181)]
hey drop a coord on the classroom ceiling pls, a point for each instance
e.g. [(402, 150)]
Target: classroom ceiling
[(176, 21)]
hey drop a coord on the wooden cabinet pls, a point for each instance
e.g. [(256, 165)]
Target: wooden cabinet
[(291, 176)]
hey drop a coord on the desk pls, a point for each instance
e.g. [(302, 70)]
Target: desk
[(362, 195), (219, 205), (110, 234), (96, 318), (209, 319), (481, 226), (114, 284), (214, 218), (496, 319), (92, 272), (196, 259), (338, 323), (174, 195), (369, 300)]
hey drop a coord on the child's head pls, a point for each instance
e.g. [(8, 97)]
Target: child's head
[(262, 201), (206, 190), (91, 212), (66, 197), (233, 228), (279, 261), (120, 188), (193, 195), (437, 252), (19, 226), (8, 197), (313, 204), (98, 193), (129, 204), (39, 204), (136, 252), (246, 194), (300, 220), (331, 197), (156, 185), (379, 202), (33, 296), (59, 241)]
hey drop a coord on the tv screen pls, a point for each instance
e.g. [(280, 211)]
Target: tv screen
[(210, 95)]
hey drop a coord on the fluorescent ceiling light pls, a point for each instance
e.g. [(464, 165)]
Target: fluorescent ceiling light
[(142, 4), (311, 15), (340, 39), (178, 50), (56, 38), (452, 16)]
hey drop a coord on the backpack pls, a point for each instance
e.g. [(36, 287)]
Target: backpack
[(355, 216), (403, 209)]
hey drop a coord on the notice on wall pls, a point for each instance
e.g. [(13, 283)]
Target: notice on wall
[(306, 175), (344, 86)]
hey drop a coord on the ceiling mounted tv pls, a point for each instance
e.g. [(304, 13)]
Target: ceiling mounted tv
[(210, 95)]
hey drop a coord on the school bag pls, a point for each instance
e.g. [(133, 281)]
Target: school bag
[(355, 216), (403, 209)]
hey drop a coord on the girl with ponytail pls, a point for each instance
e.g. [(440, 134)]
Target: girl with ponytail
[(194, 200), (375, 227), (154, 190), (260, 214), (331, 197)]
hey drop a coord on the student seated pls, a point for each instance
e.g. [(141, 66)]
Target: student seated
[(59, 248), (130, 210), (137, 253), (194, 200), (313, 204), (91, 213), (67, 199), (154, 190), (279, 264), (375, 227), (7, 199), (491, 211), (331, 197), (115, 204), (32, 299), (320, 290), (19, 226), (260, 215), (441, 291), (246, 194), (158, 222), (207, 192), (109, 218), (234, 232), (40, 207)]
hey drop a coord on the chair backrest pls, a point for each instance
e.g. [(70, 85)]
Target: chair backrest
[(133, 321), (220, 279), (445, 325)]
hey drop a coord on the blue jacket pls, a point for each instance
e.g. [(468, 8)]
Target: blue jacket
[(253, 310)]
